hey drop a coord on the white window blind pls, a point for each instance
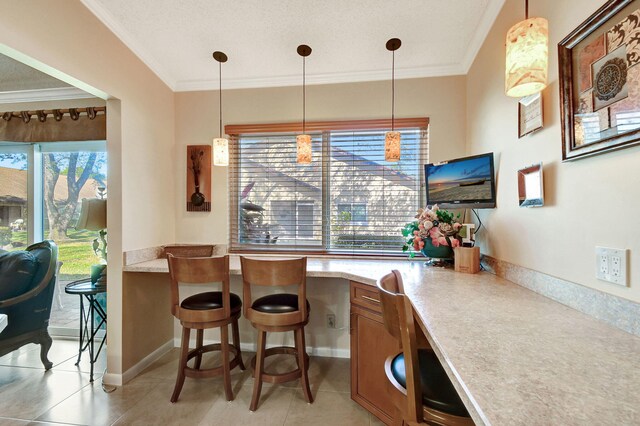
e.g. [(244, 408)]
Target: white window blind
[(347, 200)]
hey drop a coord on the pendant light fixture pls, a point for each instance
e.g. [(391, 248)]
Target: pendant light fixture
[(303, 141), (392, 138), (527, 56), (220, 144)]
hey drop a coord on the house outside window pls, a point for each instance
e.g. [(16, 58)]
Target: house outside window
[(355, 213), (347, 200)]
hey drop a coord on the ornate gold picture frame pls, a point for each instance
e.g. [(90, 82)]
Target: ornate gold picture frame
[(600, 82)]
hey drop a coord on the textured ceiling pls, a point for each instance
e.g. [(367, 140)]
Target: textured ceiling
[(175, 38), (16, 76)]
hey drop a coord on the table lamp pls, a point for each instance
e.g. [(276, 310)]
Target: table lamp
[(93, 217)]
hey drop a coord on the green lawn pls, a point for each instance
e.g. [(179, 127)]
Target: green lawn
[(75, 252)]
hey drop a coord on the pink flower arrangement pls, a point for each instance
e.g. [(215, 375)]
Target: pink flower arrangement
[(438, 226)]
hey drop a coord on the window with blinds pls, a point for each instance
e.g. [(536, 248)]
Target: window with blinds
[(349, 199)]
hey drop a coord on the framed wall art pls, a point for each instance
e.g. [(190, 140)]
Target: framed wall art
[(199, 178), (600, 82), (531, 186), (529, 114)]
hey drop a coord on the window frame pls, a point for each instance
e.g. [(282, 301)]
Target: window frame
[(35, 176), (324, 128)]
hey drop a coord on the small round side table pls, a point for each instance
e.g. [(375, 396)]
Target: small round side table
[(88, 312)]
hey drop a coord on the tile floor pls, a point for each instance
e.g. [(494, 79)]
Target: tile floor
[(28, 395), (65, 309)]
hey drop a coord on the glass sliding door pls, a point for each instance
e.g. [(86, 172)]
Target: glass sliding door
[(14, 196), (70, 172), (68, 177)]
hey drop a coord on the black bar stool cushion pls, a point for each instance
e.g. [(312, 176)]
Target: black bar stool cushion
[(210, 300), (278, 303), (437, 391)]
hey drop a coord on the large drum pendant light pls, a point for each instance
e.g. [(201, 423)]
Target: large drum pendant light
[(527, 56), (303, 141), (392, 138), (220, 144)]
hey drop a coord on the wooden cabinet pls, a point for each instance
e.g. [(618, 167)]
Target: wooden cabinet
[(370, 347)]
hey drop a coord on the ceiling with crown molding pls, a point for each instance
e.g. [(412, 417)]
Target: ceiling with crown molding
[(176, 38)]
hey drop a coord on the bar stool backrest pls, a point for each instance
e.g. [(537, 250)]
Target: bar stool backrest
[(199, 270), (268, 272), (397, 315)]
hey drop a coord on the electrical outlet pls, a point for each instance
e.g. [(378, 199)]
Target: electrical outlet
[(615, 265), (611, 265), (331, 321), (604, 264)]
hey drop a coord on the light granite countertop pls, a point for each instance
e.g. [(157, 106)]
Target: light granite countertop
[(515, 357)]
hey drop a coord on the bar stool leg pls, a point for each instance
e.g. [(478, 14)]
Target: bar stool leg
[(301, 350), (199, 340), (236, 342), (226, 372), (257, 375), (184, 352)]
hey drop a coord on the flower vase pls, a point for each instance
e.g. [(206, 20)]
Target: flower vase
[(433, 252)]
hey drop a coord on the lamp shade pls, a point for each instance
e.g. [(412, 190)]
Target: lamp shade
[(93, 214), (392, 146), (527, 57), (303, 143), (220, 152)]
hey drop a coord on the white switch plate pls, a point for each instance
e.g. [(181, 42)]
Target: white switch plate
[(611, 265)]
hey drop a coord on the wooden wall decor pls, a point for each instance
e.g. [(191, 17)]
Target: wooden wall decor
[(199, 178)]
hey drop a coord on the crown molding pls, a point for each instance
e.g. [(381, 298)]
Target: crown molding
[(39, 95), (331, 78), (480, 34), (462, 68), (118, 30)]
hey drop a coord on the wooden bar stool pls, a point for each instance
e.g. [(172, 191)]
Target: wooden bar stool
[(425, 393), (205, 310), (277, 313)]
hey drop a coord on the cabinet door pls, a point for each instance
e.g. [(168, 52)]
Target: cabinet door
[(370, 347)]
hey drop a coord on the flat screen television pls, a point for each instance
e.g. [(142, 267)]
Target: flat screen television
[(462, 183)]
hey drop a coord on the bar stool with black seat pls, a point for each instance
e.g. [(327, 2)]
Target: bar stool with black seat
[(424, 391), (278, 312), (202, 311)]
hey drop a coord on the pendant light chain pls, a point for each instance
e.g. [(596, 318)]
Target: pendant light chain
[(220, 144), (304, 93), (393, 89), (392, 139), (526, 9), (220, 95)]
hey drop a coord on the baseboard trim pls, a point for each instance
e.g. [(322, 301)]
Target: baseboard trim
[(120, 379), (322, 351)]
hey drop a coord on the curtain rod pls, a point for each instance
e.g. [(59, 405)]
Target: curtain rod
[(57, 114)]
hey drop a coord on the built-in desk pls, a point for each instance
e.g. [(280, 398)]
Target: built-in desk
[(515, 357)]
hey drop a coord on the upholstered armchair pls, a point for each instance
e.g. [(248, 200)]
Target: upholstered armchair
[(27, 285)]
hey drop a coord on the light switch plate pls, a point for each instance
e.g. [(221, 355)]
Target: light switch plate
[(611, 265)]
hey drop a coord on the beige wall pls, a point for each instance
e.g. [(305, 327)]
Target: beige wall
[(440, 99), (588, 202), (65, 36)]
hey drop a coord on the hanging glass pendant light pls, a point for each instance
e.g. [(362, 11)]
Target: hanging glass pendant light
[(527, 56), (392, 138), (220, 144), (303, 141)]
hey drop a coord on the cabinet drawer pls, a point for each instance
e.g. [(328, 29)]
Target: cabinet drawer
[(366, 296)]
